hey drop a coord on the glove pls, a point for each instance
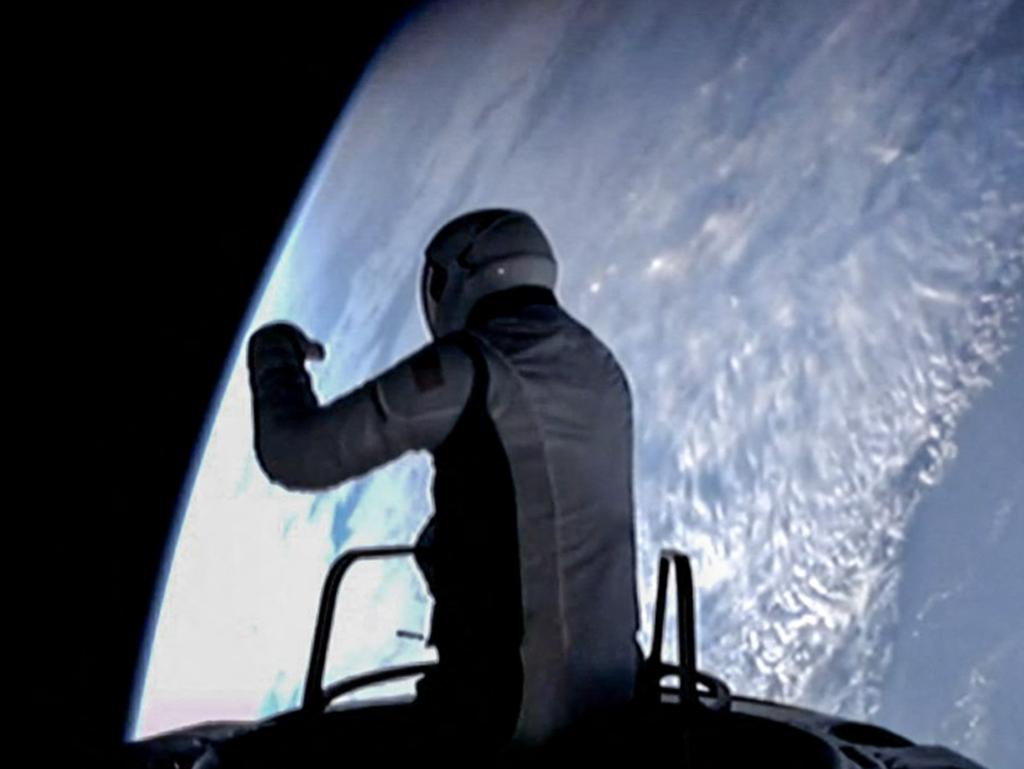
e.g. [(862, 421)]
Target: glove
[(283, 338)]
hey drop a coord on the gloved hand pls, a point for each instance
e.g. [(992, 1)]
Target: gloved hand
[(275, 336)]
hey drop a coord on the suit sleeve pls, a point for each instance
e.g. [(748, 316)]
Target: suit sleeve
[(304, 446)]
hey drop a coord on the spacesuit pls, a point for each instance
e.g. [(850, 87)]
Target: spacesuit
[(530, 553)]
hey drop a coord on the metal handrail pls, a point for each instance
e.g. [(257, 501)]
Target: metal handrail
[(315, 697), (338, 688), (689, 675), (686, 623)]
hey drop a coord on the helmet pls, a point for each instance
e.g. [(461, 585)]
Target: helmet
[(477, 254)]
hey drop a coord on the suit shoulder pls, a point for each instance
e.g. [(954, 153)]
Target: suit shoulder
[(437, 376)]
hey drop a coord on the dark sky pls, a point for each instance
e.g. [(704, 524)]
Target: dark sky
[(172, 164)]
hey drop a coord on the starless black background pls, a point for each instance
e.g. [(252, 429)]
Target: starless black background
[(164, 160)]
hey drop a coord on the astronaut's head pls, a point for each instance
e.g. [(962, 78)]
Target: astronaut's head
[(481, 253)]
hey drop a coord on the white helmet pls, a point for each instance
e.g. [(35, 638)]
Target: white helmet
[(477, 254)]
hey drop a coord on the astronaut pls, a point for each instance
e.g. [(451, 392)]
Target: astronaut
[(530, 552)]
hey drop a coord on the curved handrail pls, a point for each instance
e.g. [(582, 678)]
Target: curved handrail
[(338, 688), (689, 675), (685, 620), (315, 697)]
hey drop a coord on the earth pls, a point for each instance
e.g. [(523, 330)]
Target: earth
[(798, 226)]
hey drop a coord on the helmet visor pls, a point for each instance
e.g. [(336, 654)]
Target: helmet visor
[(432, 284)]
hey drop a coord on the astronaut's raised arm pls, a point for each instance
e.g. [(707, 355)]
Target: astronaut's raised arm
[(304, 446)]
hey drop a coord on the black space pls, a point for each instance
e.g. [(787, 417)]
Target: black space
[(167, 167)]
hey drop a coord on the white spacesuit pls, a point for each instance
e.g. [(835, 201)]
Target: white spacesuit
[(530, 554)]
